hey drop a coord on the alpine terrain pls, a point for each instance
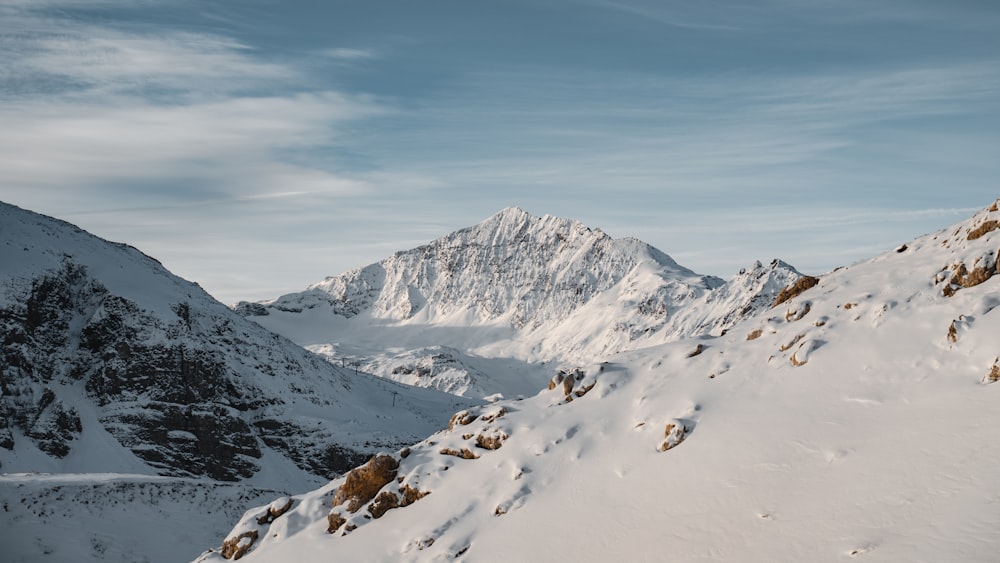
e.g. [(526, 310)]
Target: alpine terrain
[(849, 416), (509, 297), (138, 415), (528, 388)]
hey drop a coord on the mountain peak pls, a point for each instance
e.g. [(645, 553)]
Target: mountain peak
[(512, 213), (514, 270)]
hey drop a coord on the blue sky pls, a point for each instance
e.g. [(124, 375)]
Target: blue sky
[(257, 146)]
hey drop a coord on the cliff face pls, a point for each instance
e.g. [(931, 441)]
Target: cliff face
[(100, 340)]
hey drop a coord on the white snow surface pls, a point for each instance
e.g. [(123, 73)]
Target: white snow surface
[(856, 421), (535, 289), (76, 517)]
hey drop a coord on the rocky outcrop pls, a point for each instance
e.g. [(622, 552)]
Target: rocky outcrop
[(362, 484), (798, 288)]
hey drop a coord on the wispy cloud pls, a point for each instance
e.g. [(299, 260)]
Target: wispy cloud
[(345, 53), (152, 113), (666, 14)]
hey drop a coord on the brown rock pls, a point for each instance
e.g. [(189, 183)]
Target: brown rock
[(334, 522), (994, 375), (495, 415), (363, 483), (492, 442), (673, 435), (383, 503), (986, 227), (584, 390), (461, 417), (234, 548), (409, 495), (464, 453), (274, 512), (801, 285)]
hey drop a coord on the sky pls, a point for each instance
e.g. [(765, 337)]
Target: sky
[(258, 146)]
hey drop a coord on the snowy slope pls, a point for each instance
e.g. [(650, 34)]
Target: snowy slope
[(116, 517), (101, 340), (537, 289), (856, 420), (111, 364)]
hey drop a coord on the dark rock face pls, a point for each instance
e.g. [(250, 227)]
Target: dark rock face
[(165, 387), (31, 361), (318, 456), (248, 309)]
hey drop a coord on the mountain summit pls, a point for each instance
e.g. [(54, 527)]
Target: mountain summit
[(515, 268), (514, 286)]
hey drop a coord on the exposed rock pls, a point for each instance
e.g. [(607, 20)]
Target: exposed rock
[(363, 483), (384, 502), (963, 277), (793, 342), (491, 441), (464, 453), (236, 547), (311, 449), (797, 314), (795, 361), (994, 375), (490, 417), (461, 417), (275, 510), (583, 390), (986, 227), (697, 350), (674, 433), (334, 521), (567, 379), (247, 309), (410, 495), (755, 334), (801, 285)]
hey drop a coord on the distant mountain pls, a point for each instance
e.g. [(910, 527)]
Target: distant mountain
[(852, 417), (536, 289)]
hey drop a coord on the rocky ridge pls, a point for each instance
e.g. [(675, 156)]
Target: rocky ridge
[(99, 339)]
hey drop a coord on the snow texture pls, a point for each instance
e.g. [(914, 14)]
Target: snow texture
[(858, 423)]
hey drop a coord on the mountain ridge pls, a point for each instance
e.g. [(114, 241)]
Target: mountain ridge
[(537, 289), (852, 420), (165, 363)]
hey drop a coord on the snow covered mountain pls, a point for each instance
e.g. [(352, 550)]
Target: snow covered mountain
[(853, 420), (536, 289), (111, 364)]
